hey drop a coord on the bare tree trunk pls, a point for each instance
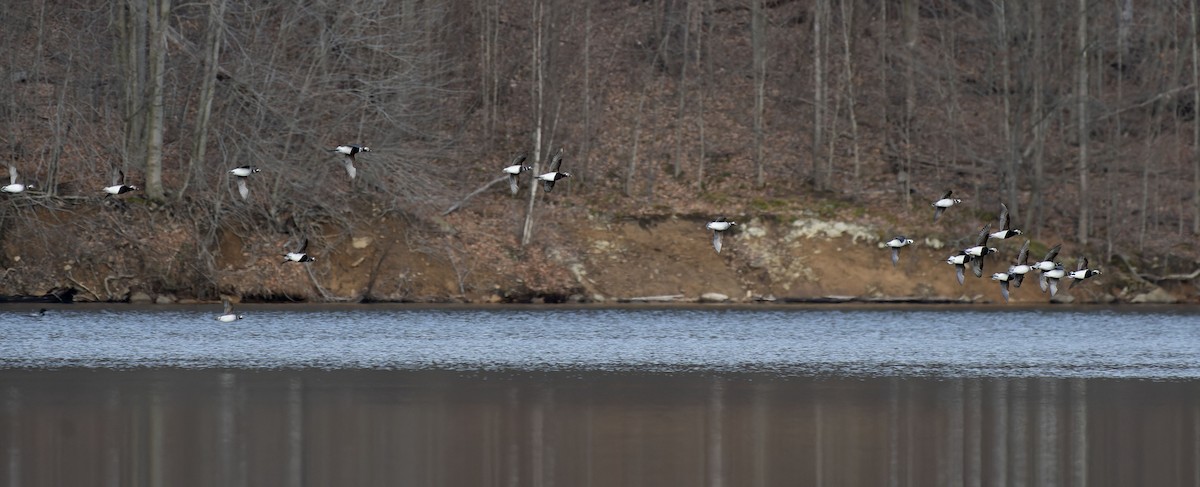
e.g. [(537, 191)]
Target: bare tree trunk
[(759, 48), (705, 65), (910, 92), (682, 88), (208, 88), (647, 84), (1012, 162), (631, 170), (820, 100), (1195, 33), (847, 26), (1033, 217), (1081, 95), (586, 152), (131, 57), (61, 127), (158, 15), (539, 62)]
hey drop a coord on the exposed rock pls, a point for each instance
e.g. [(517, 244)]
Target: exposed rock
[(810, 227), (140, 297), (361, 242), (713, 298), (599, 298), (1157, 295), (165, 298)]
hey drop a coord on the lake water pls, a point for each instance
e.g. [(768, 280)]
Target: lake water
[(542, 396)]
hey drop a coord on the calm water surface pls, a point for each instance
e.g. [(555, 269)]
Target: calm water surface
[(375, 395)]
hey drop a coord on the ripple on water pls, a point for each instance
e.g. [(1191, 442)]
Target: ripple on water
[(1156, 344)]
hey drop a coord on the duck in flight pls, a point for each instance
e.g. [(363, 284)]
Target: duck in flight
[(959, 261), (228, 316), (118, 185), (719, 226), (242, 173), (1003, 278), (1052, 276), (942, 203), (1081, 272), (1022, 266), (13, 185), (896, 244), (514, 170), (980, 250), (1047, 265), (1005, 231), (348, 152), (299, 255), (549, 178)]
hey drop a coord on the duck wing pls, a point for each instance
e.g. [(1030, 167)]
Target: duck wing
[(1004, 290), (895, 255), (1052, 253), (717, 241), (1023, 255), (958, 272), (1003, 216), (512, 183), (977, 266), (556, 162), (228, 306), (982, 238), (348, 162), (12, 174), (242, 189)]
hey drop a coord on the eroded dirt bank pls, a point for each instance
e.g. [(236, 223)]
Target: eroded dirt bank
[(578, 256)]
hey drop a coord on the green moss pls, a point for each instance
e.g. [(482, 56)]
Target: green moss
[(769, 205)]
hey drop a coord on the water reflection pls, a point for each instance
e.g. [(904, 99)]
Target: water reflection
[(306, 427)]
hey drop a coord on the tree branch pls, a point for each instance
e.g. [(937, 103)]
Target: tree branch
[(455, 207)]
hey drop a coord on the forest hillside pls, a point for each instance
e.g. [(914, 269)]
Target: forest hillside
[(824, 127)]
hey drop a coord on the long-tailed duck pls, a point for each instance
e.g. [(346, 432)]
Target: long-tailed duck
[(228, 315), (241, 173), (896, 244), (1047, 264), (1005, 231), (118, 185), (944, 202), (549, 178), (1052, 276), (959, 261), (13, 186), (1081, 272), (980, 250), (718, 226), (348, 152), (299, 255), (1003, 277), (1021, 267), (514, 170)]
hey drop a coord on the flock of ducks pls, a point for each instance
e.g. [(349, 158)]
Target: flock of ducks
[(242, 173), (1050, 271)]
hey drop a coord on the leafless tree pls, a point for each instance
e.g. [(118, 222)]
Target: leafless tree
[(1081, 99), (758, 44)]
